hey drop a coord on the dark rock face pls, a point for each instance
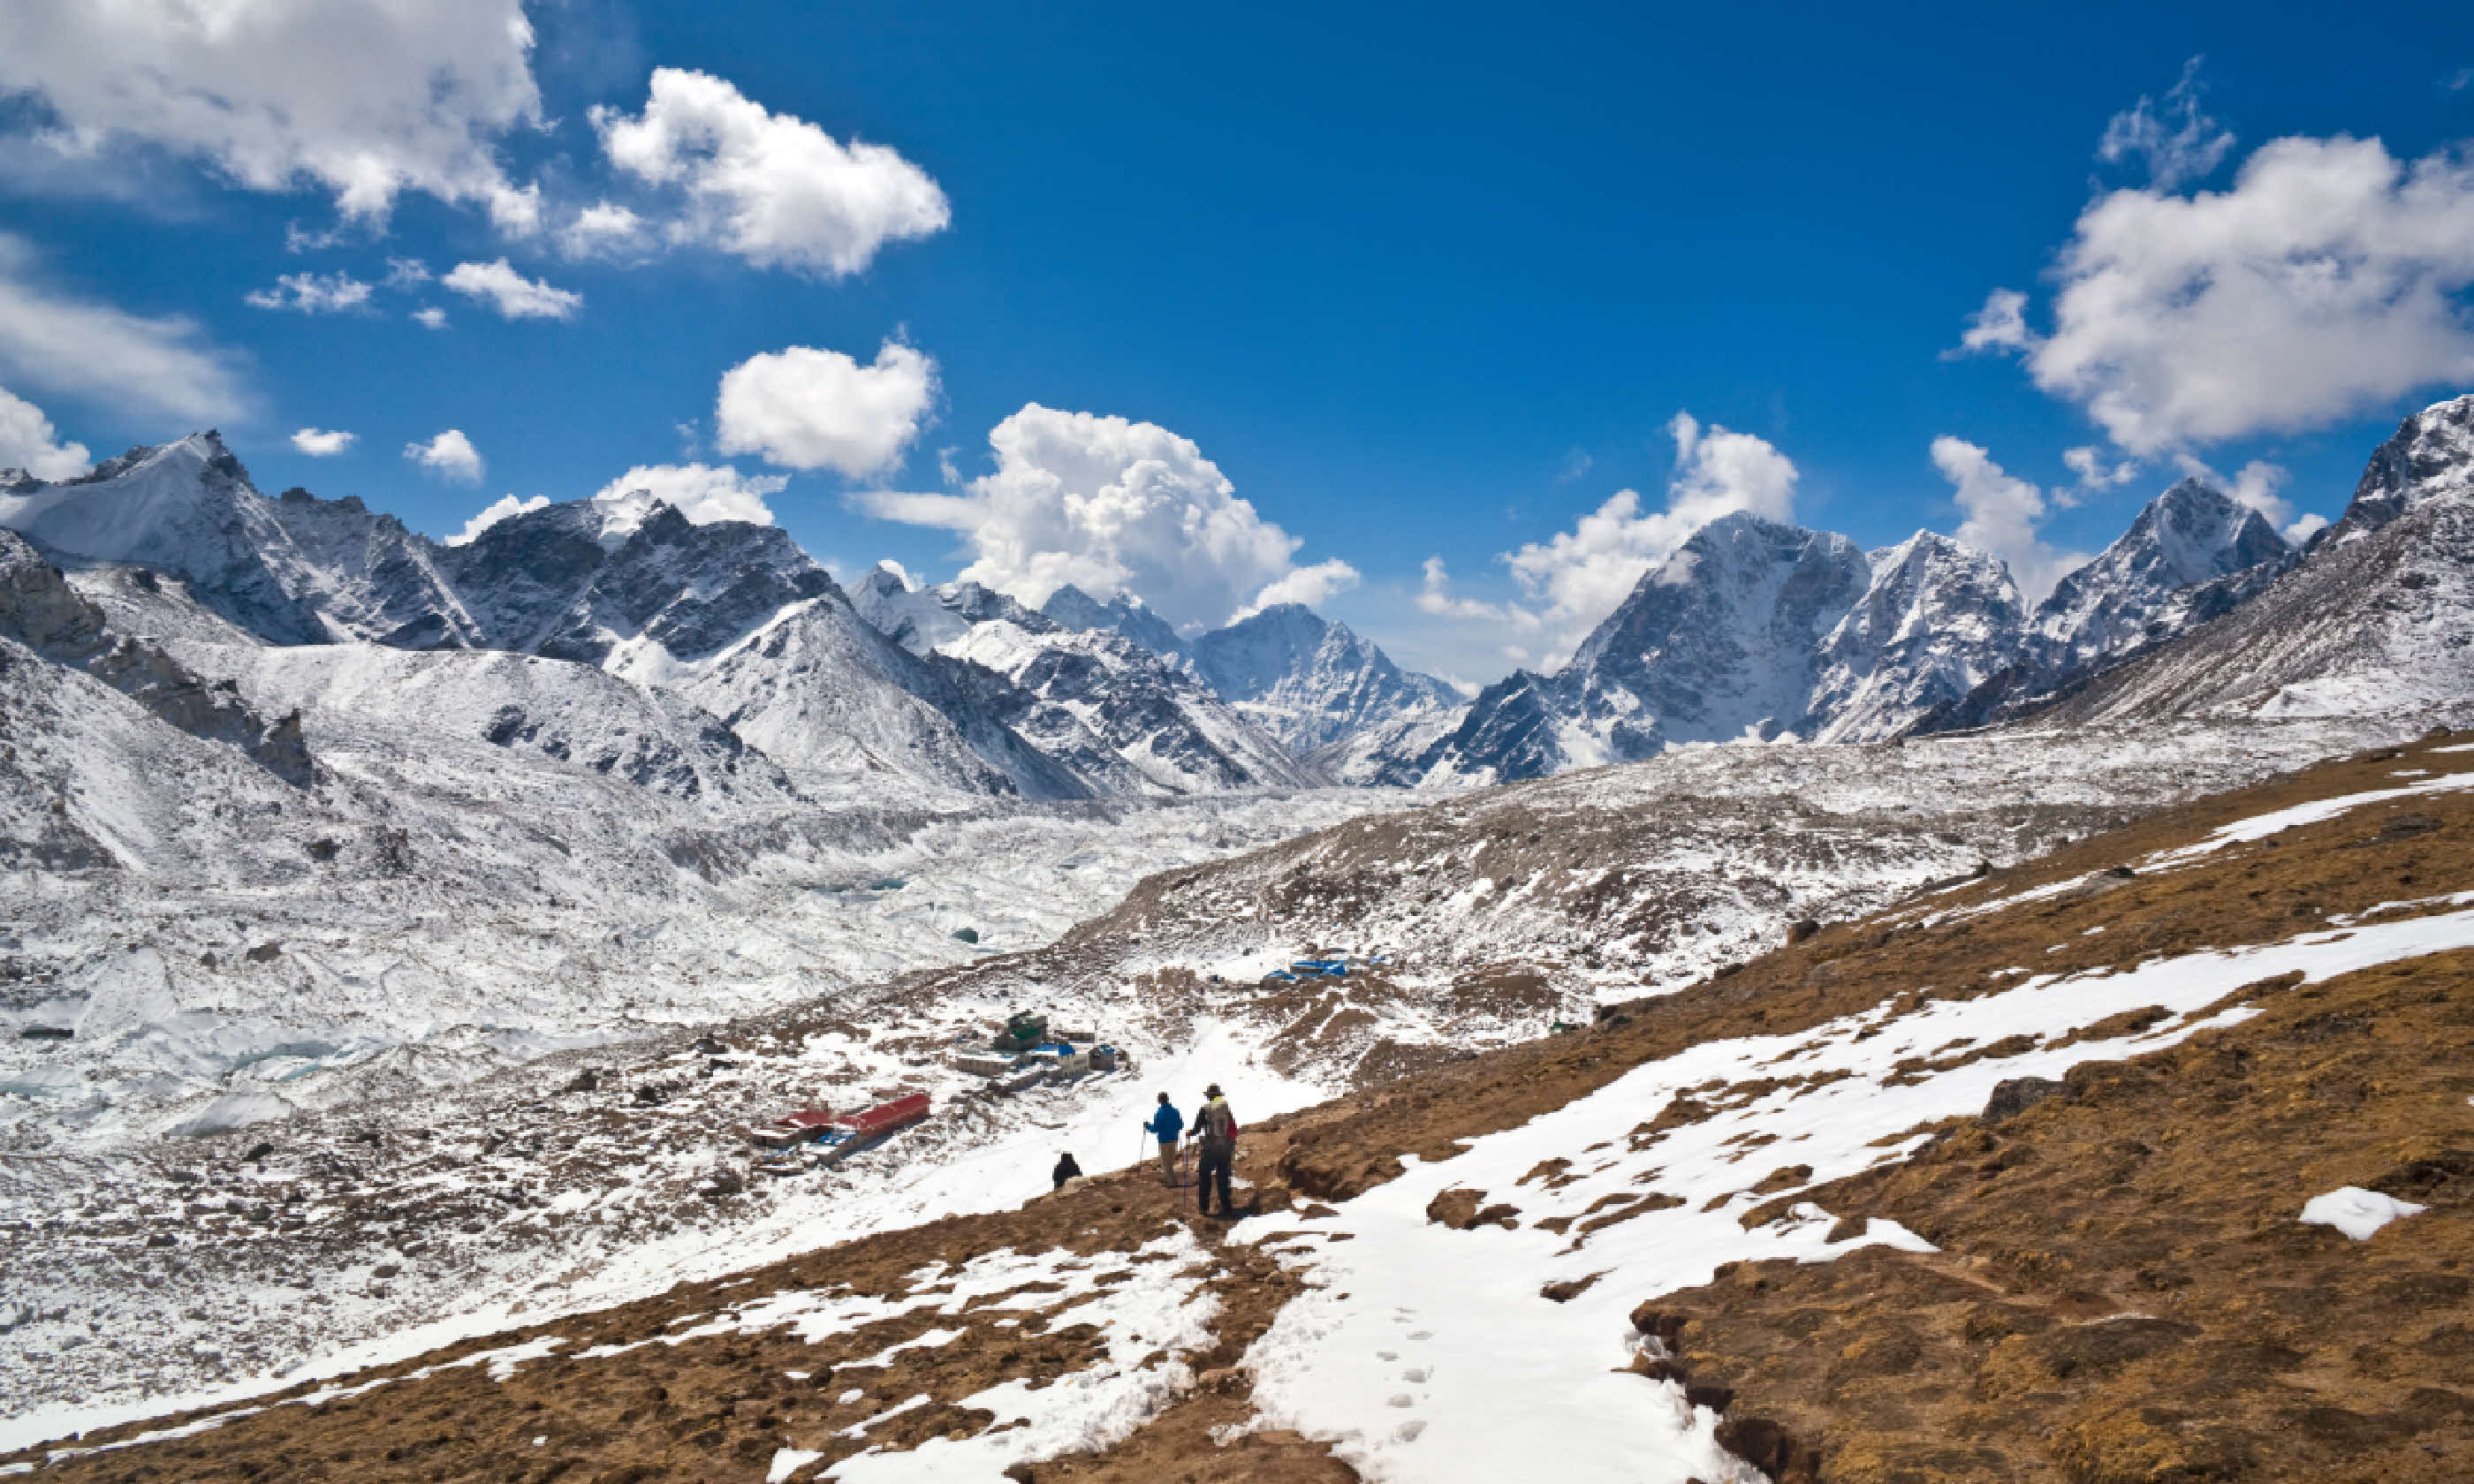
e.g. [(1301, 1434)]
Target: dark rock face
[(2431, 453), (1720, 642), (2017, 1094), (694, 589), (2132, 595), (40, 611)]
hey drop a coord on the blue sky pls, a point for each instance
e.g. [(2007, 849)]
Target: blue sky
[(1420, 283)]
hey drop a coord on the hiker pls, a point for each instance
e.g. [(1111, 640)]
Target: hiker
[(1165, 1126), (1066, 1169), (1215, 1128)]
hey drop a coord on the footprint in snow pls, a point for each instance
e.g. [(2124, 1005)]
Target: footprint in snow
[(1424, 1334), (1408, 1432), (1416, 1374), (1402, 1400), (1387, 1354)]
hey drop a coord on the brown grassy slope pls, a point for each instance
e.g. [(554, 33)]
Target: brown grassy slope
[(715, 1407), (2123, 1294)]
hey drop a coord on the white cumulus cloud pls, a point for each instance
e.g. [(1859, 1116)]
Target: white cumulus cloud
[(321, 443), (603, 229), (29, 441), (490, 514), (2177, 142), (1435, 596), (805, 408), (2096, 472), (769, 187), (510, 293), (451, 454), (703, 493), (430, 317), (1581, 575), (2326, 282), (1310, 586), (2002, 514), (364, 99), (1115, 505), (158, 367), (312, 293)]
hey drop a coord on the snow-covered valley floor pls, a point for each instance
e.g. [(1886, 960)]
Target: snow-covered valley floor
[(154, 1006), (405, 1214)]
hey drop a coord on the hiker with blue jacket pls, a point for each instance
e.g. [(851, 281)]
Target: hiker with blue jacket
[(1165, 1126)]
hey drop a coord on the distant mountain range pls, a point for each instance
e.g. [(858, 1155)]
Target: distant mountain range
[(956, 689), (1752, 630)]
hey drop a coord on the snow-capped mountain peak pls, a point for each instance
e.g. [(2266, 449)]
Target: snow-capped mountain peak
[(1310, 681), (295, 570), (1937, 619), (2190, 536), (2431, 453), (1125, 613)]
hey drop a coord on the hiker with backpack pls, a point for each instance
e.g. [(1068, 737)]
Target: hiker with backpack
[(1165, 1126), (1215, 1133)]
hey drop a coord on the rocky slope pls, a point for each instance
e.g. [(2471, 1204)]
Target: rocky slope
[(2379, 617), (1311, 683), (1124, 614), (41, 612), (1175, 733), (1757, 628), (2019, 1179)]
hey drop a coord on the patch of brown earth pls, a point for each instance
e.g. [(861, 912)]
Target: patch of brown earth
[(717, 1407), (2124, 1294)]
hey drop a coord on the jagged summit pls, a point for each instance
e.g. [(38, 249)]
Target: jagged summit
[(1125, 613), (1310, 681), (1719, 641), (298, 570), (1938, 618), (2431, 453), (1754, 628), (2189, 536)]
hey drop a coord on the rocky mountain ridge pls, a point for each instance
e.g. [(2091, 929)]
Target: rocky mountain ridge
[(1754, 630), (728, 616)]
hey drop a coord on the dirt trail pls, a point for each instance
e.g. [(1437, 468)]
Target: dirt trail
[(2122, 1292)]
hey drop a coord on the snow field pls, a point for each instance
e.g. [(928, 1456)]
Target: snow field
[(1428, 1355), (385, 990), (529, 1272)]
